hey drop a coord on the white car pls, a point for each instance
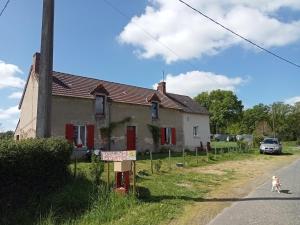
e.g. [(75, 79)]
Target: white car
[(270, 145)]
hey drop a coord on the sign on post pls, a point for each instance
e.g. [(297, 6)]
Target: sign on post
[(118, 155)]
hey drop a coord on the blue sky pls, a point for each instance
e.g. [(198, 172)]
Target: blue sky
[(93, 39)]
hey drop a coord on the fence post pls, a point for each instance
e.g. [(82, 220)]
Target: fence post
[(107, 162), (75, 166), (183, 156), (207, 155), (151, 162), (134, 181), (197, 154), (215, 152), (169, 159)]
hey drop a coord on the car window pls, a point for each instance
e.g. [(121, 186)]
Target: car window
[(270, 141)]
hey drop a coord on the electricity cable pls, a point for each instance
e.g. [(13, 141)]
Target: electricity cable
[(240, 36), (5, 6)]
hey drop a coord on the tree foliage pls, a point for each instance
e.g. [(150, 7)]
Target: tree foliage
[(6, 135), (227, 116), (223, 106)]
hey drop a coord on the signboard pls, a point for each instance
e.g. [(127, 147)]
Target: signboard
[(118, 155)]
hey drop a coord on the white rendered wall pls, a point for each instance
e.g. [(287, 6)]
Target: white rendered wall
[(191, 120)]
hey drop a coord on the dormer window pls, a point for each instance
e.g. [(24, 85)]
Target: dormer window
[(100, 95), (154, 100), (154, 110), (100, 105)]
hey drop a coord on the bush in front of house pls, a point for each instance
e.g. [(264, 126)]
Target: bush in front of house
[(31, 168)]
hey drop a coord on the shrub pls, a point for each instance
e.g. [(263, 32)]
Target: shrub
[(257, 140), (97, 168), (164, 149), (32, 167), (242, 144)]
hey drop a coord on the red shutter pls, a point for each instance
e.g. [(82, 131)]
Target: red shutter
[(69, 133), (173, 136), (90, 136), (163, 135)]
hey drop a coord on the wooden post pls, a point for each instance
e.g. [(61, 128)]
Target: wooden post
[(215, 152), (134, 181), (75, 166), (151, 162), (197, 155), (107, 163), (169, 159), (207, 155), (183, 156)]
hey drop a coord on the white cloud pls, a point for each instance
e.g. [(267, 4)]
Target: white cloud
[(293, 100), (9, 112), (9, 118), (8, 76), (195, 82), (190, 35), (16, 95)]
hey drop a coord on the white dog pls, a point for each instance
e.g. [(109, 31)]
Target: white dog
[(276, 184)]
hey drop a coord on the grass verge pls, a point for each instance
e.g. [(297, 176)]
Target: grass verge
[(162, 197)]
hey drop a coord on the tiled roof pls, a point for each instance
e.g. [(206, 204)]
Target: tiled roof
[(188, 104), (81, 87)]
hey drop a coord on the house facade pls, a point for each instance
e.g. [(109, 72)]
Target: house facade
[(95, 114)]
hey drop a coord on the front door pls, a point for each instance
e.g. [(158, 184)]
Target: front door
[(131, 136)]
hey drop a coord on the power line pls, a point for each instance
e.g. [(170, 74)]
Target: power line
[(6, 4), (240, 36), (149, 34)]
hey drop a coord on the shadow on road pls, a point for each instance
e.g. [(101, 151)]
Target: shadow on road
[(163, 197), (286, 192)]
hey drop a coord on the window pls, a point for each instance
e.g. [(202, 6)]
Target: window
[(168, 136), (80, 136), (154, 110), (195, 131), (100, 105)]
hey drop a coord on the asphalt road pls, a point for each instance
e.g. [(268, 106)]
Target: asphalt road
[(263, 207)]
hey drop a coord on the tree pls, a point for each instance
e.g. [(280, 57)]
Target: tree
[(6, 135), (279, 116), (255, 117), (293, 124), (223, 106)]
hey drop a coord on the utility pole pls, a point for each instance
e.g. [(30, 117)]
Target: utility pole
[(43, 125)]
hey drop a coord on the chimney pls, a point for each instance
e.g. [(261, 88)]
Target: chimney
[(162, 87), (36, 63)]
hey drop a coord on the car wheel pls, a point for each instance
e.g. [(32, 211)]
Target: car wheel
[(261, 152)]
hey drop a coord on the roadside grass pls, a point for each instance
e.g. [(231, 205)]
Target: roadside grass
[(223, 144), (162, 195)]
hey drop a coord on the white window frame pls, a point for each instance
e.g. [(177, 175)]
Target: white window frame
[(85, 134), (168, 135), (196, 128)]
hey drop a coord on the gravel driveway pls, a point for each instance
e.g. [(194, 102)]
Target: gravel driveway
[(263, 207)]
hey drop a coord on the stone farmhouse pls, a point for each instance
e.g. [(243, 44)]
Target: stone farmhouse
[(83, 107)]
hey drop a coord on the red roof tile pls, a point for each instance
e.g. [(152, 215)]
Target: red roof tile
[(81, 87)]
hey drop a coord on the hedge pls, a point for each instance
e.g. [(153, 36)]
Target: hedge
[(31, 168)]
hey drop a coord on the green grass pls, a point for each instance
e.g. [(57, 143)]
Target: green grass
[(223, 144), (161, 195)]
